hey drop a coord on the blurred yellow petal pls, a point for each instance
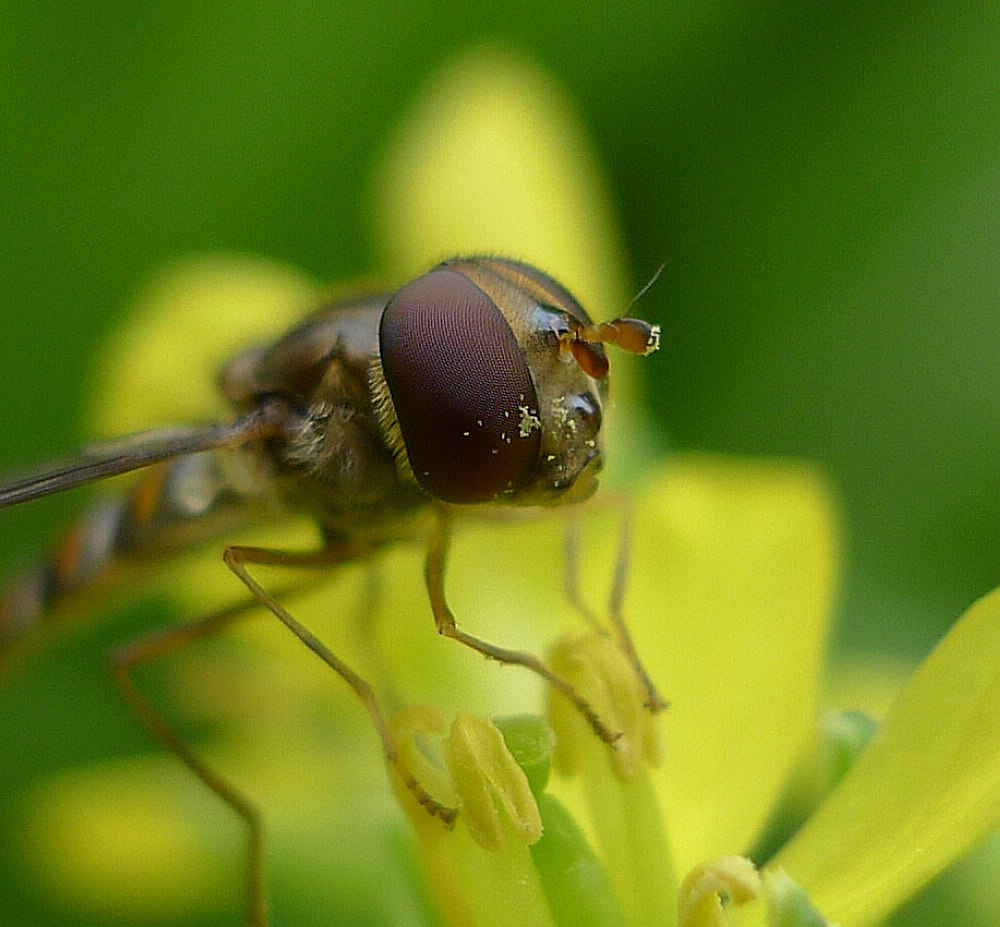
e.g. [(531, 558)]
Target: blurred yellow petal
[(925, 791), (187, 320), (109, 840), (492, 158), (730, 595)]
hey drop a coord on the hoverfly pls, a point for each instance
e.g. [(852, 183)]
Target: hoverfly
[(479, 384)]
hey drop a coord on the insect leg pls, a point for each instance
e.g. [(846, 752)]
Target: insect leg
[(654, 701), (571, 574), (237, 558), (437, 551), (152, 647)]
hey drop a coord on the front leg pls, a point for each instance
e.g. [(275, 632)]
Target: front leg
[(237, 559), (616, 605), (437, 552)]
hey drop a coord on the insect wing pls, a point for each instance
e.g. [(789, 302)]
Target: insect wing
[(128, 454)]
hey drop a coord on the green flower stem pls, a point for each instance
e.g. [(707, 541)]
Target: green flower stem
[(787, 903), (576, 884), (845, 734), (574, 880), (628, 825)]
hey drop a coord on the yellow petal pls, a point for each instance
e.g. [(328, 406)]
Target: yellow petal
[(923, 793), (729, 598), (492, 158), (109, 840), (160, 367)]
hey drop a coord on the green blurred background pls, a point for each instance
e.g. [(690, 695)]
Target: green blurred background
[(821, 181)]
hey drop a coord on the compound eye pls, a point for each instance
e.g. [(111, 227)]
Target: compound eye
[(461, 389)]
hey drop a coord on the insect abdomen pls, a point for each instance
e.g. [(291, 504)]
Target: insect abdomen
[(81, 556), (174, 505)]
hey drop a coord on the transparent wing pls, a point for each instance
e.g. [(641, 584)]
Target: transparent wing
[(131, 453)]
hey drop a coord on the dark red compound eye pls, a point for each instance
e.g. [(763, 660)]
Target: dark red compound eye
[(461, 389)]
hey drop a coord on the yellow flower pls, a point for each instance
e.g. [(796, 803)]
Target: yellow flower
[(732, 577)]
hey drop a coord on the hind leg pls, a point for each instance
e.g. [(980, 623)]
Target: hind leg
[(153, 647)]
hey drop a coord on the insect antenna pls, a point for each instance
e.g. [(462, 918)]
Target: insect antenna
[(647, 286)]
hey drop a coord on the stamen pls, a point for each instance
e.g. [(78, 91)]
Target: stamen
[(493, 790), (603, 675), (712, 887)]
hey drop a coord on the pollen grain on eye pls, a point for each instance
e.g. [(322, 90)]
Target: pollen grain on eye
[(528, 421)]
